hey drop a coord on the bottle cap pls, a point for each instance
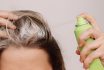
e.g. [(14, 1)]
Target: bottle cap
[(81, 21)]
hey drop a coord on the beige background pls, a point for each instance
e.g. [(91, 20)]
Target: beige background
[(60, 14)]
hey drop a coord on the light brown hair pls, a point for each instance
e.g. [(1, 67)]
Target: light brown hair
[(32, 30)]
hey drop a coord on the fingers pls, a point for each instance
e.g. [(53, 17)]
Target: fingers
[(91, 20), (4, 22), (8, 14), (88, 54), (91, 57), (90, 47), (90, 33), (87, 34)]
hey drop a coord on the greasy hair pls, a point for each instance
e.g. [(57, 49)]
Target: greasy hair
[(33, 32)]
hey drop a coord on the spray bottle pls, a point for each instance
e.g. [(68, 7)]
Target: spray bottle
[(81, 26)]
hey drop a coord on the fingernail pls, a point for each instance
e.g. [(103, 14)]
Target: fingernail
[(77, 52)]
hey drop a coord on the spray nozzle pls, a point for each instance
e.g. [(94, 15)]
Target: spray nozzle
[(81, 21)]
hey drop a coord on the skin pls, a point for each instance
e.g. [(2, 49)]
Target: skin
[(94, 32), (5, 17), (98, 44), (22, 58)]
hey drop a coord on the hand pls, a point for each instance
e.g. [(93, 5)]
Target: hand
[(5, 17), (97, 44)]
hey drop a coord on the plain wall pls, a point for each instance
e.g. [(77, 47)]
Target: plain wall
[(61, 16)]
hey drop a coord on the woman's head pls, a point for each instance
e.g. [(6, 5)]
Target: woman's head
[(30, 44)]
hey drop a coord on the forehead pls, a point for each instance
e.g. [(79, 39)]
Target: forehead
[(13, 52), (24, 58)]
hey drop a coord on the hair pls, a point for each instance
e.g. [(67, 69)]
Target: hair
[(33, 32)]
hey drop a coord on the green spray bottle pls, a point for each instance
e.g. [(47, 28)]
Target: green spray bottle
[(81, 26)]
